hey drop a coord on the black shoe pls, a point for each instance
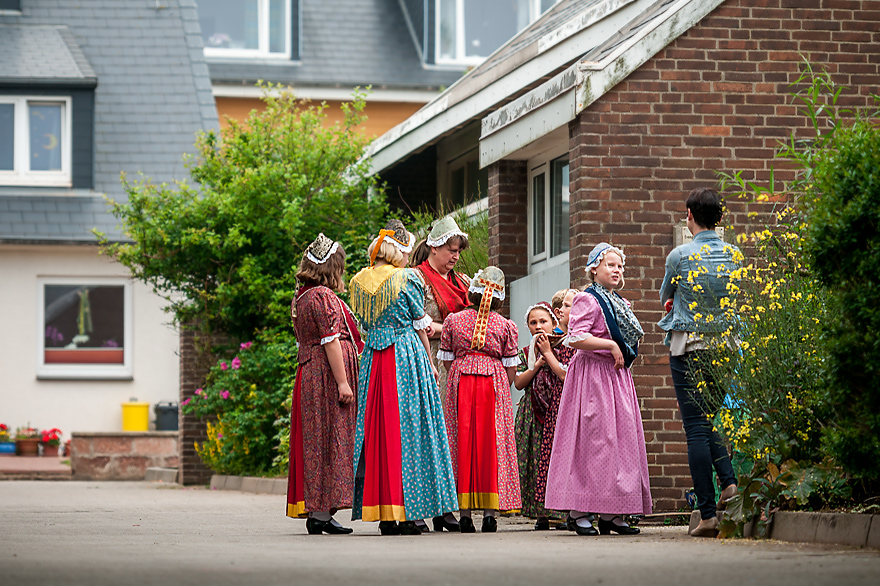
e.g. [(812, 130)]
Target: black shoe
[(409, 528), (316, 527), (440, 523), (466, 525), (389, 528), (606, 527), (542, 524), (422, 526), (563, 526), (490, 525), (586, 531)]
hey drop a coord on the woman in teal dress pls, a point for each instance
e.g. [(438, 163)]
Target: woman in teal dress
[(403, 468)]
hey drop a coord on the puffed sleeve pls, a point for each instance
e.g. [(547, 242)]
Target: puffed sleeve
[(445, 352), (415, 300), (510, 350), (584, 311), (324, 311)]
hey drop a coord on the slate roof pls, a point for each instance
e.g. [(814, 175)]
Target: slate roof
[(153, 94), (39, 54), (345, 43)]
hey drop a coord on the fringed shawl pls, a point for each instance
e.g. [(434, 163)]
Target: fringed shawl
[(374, 289)]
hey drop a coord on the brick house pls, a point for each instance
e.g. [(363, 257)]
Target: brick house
[(606, 146)]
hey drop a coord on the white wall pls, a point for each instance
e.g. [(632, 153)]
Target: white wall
[(76, 405), (538, 286)]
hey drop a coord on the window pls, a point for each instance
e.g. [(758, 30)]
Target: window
[(466, 182), (549, 210), (84, 328), (34, 140), (10, 6), (471, 30), (246, 28)]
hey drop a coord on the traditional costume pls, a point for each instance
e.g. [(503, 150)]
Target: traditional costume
[(598, 461), (321, 477), (536, 420), (401, 456), (481, 344)]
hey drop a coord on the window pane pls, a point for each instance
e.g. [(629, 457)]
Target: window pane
[(84, 324), (278, 26), (488, 24), (446, 12), (45, 139), (230, 24), (559, 206), (538, 246), (547, 5), (457, 186), (7, 137)]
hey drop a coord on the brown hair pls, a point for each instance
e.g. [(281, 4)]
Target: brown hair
[(475, 299), (422, 250), (328, 274)]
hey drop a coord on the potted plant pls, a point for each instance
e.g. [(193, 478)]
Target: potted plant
[(27, 441), (50, 440), (7, 446)]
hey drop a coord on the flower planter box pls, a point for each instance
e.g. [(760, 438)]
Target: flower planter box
[(50, 451), (27, 447)]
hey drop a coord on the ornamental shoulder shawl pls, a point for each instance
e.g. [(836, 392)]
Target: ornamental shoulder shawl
[(374, 289)]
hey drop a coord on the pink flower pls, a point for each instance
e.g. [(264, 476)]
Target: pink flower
[(198, 391), (225, 394), (224, 366), (236, 363), (246, 345), (185, 402), (219, 436)]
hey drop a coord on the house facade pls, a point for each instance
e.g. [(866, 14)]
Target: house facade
[(608, 145), (88, 90)]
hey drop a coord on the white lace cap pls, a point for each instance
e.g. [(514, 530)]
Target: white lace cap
[(598, 253), (541, 305), (443, 230)]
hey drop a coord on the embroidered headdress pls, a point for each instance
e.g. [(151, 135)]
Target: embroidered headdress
[(598, 253), (489, 283), (443, 230), (321, 249), (397, 234)]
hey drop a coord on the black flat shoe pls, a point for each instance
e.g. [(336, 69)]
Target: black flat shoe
[(490, 525), (440, 523), (587, 531), (422, 526), (316, 527), (409, 528), (466, 525), (606, 527), (542, 524), (389, 528)]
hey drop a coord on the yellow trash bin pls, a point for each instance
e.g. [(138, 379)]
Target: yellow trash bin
[(135, 416)]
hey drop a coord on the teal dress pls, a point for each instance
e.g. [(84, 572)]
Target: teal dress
[(403, 469)]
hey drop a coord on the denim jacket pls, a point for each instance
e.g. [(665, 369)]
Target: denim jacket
[(707, 261)]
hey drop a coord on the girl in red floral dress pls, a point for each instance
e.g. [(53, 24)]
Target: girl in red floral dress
[(479, 349)]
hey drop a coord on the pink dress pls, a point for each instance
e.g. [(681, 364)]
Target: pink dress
[(598, 463)]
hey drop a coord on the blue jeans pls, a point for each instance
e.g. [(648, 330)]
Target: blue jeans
[(705, 449)]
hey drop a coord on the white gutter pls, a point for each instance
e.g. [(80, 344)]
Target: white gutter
[(327, 93)]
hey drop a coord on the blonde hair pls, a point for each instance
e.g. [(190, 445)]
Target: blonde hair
[(387, 252), (559, 297)]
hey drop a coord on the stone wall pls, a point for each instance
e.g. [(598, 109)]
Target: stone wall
[(121, 455)]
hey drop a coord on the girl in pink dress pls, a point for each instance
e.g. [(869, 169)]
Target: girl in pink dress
[(479, 350), (598, 463)]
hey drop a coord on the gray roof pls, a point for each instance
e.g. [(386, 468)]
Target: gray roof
[(345, 43), (153, 94), (39, 54)]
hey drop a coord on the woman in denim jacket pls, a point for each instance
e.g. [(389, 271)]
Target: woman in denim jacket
[(697, 274)]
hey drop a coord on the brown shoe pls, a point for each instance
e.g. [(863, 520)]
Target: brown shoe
[(727, 495), (706, 528)]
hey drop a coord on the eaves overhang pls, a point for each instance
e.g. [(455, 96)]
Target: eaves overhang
[(559, 100)]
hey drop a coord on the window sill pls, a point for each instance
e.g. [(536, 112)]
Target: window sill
[(90, 374)]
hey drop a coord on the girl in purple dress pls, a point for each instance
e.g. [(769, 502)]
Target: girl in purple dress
[(598, 463)]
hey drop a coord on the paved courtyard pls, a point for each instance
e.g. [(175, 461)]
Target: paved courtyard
[(134, 533)]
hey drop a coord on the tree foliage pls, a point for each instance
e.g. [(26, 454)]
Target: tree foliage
[(223, 251)]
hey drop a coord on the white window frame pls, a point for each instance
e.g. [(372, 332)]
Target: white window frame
[(21, 173), (85, 371), (460, 48), (537, 167), (263, 38)]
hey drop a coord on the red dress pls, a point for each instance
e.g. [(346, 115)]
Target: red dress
[(321, 476), (479, 413)]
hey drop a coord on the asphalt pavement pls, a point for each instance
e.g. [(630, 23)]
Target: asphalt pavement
[(137, 533)]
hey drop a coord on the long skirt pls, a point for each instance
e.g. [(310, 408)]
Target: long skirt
[(477, 454)]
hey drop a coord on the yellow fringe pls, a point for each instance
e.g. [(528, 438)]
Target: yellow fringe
[(373, 290)]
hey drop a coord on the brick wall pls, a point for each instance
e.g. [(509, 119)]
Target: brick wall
[(715, 99), (193, 368), (508, 230), (121, 455)]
